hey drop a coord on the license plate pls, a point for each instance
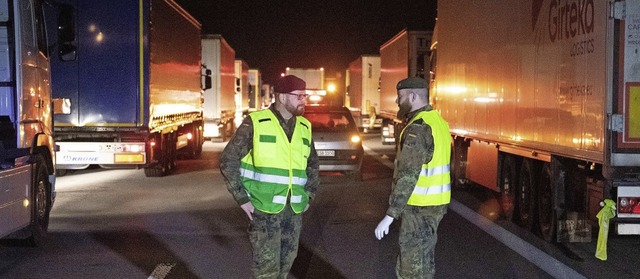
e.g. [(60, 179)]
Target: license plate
[(326, 153)]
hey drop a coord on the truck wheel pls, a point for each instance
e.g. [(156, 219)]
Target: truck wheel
[(155, 171), (508, 185), (194, 148), (61, 172), (172, 155), (457, 163), (546, 212), (200, 143), (40, 205), (159, 157), (526, 193)]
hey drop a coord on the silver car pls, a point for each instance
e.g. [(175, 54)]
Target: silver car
[(337, 139)]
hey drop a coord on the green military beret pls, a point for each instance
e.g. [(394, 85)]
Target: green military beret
[(412, 82)]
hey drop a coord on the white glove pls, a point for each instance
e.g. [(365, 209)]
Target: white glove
[(383, 227), (248, 209)]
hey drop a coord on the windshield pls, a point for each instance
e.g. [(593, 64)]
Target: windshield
[(330, 121)]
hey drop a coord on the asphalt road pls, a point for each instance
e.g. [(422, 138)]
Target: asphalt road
[(121, 224)]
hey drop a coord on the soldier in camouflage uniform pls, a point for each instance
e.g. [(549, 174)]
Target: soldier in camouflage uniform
[(271, 169), (421, 188)]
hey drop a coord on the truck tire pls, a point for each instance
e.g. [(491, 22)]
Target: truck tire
[(546, 196), (526, 194), (199, 146), (200, 143), (159, 169), (172, 156), (41, 205), (457, 161), (194, 148), (508, 185), (154, 171)]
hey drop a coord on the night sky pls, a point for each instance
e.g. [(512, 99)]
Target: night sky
[(272, 35)]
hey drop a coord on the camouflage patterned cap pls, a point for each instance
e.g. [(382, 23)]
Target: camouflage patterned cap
[(412, 82)]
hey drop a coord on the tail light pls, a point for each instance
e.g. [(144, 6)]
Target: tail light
[(629, 205)]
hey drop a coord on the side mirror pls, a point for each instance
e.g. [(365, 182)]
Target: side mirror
[(207, 82), (207, 78), (67, 52), (61, 106)]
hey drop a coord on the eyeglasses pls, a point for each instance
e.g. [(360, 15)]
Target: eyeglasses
[(300, 96)]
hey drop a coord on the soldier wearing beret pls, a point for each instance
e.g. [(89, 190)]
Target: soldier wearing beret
[(271, 169), (421, 188)]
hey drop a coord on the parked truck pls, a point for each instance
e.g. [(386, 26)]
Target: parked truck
[(267, 100), (135, 86), (543, 102), (254, 84), (27, 148), (405, 55), (219, 100), (242, 98), (362, 96)]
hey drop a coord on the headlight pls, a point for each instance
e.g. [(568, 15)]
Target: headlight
[(355, 139)]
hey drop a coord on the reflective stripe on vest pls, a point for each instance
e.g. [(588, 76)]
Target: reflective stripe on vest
[(435, 170), (274, 170), (270, 178), (434, 183), (283, 199)]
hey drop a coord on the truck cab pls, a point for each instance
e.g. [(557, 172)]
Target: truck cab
[(27, 167)]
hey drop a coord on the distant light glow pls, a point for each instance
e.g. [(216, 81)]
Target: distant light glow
[(461, 132), (331, 88), (484, 100), (315, 98), (453, 89)]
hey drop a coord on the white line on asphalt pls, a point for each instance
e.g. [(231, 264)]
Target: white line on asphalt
[(536, 256), (378, 157), (161, 271)]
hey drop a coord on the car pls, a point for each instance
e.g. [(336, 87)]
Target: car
[(337, 139)]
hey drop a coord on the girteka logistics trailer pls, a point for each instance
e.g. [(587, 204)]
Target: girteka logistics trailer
[(543, 102)]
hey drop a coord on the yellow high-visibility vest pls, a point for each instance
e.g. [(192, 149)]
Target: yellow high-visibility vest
[(434, 183), (275, 170)]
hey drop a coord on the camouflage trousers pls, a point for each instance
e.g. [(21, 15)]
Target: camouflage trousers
[(418, 237), (274, 242)]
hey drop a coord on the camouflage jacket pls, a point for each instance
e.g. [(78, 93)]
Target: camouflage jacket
[(240, 145), (414, 149)]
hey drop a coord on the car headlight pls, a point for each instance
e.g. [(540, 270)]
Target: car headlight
[(355, 139)]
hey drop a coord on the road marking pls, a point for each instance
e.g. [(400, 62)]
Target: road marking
[(536, 256), (378, 157), (161, 271)]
